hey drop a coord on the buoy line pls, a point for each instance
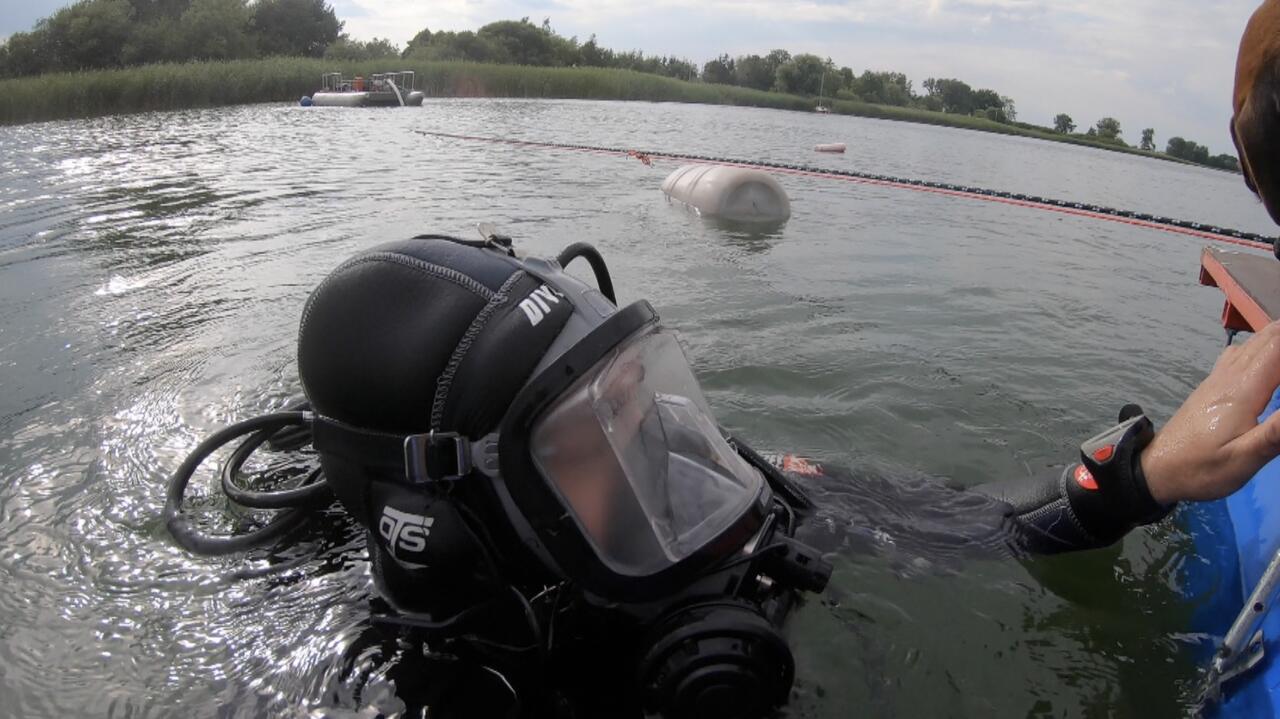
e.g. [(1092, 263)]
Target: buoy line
[(1251, 240)]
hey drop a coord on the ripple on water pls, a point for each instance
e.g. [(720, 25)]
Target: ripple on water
[(153, 268)]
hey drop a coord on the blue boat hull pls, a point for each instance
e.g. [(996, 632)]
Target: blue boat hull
[(1235, 540)]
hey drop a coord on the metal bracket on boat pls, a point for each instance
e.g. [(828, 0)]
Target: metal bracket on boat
[(1244, 646), (489, 232)]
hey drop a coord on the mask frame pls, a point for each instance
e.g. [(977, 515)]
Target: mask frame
[(540, 502)]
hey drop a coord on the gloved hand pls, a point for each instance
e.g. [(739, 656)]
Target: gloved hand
[(1107, 490)]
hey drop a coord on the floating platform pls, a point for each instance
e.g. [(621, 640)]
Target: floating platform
[(388, 89), (1237, 538), (1251, 283)]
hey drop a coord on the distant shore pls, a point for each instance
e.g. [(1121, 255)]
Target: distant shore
[(176, 86)]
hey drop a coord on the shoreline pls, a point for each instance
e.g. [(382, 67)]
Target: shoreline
[(179, 86)]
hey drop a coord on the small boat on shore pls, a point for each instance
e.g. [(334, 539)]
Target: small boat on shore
[(387, 89)]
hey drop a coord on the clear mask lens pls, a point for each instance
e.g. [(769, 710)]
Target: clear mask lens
[(635, 455)]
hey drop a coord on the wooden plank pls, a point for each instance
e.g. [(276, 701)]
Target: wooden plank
[(1251, 283)]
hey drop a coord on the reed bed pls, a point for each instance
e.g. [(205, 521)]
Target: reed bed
[(173, 86)]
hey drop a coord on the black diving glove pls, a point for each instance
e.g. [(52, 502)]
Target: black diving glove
[(1091, 503), (1107, 491)]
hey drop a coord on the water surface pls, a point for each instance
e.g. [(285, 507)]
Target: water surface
[(153, 269)]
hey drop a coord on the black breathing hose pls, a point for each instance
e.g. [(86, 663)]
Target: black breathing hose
[(312, 490), (593, 258), (292, 515)]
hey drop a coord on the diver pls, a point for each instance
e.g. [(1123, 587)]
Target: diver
[(546, 491), (542, 483)]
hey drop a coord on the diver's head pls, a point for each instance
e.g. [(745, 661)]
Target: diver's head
[(496, 423), (1255, 120)]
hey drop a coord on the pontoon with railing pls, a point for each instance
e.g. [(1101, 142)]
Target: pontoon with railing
[(386, 89)]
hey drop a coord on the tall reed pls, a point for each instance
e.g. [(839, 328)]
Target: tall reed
[(172, 86)]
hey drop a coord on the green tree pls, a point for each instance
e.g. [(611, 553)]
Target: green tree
[(216, 30), (1010, 109), (147, 11), (420, 40), (1148, 140), (719, 70), (88, 34), (22, 54), (885, 88), (930, 102), (679, 68), (522, 42), (595, 56), (465, 45), (1187, 150), (1064, 124), (157, 41), (847, 78), (1108, 128), (1225, 162), (776, 59), (295, 27), (803, 74), (982, 99), (753, 71), (953, 95), (346, 49)]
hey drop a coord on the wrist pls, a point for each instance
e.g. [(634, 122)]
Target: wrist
[(1157, 479)]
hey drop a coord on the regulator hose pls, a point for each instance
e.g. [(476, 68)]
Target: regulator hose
[(593, 258), (180, 525), (312, 490)]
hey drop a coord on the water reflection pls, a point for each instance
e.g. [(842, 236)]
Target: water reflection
[(152, 273), (751, 237)]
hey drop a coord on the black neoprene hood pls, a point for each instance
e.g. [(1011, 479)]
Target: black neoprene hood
[(395, 336)]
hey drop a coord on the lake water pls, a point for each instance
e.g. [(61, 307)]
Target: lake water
[(153, 269)]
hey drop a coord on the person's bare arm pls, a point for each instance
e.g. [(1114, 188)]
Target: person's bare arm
[(1213, 444)]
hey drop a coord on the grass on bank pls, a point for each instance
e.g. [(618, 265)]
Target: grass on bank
[(174, 86)]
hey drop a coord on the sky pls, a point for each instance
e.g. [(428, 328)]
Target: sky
[(1165, 64)]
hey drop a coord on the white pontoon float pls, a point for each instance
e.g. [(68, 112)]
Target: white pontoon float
[(387, 89)]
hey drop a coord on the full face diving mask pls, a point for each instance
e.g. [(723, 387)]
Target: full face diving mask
[(499, 426)]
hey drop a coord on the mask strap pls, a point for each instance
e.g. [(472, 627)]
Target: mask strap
[(421, 458)]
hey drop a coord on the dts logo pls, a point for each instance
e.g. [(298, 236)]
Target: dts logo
[(404, 531)]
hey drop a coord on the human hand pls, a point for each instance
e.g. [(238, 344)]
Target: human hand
[(1213, 444)]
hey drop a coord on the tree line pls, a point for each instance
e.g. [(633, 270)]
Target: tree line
[(1108, 130), (97, 34)]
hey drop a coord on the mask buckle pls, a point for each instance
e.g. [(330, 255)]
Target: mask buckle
[(436, 457)]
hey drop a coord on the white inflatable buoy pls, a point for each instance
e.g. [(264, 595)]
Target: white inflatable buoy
[(830, 147), (739, 194)]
